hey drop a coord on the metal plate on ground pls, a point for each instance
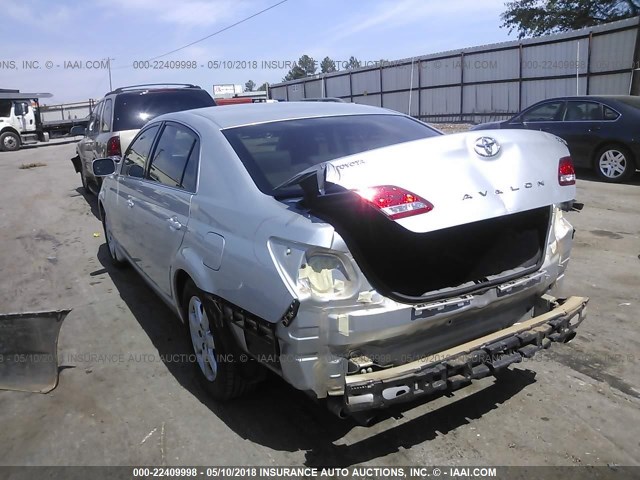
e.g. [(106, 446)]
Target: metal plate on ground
[(29, 350)]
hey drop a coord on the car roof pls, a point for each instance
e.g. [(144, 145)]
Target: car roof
[(591, 97), (247, 114), (153, 87)]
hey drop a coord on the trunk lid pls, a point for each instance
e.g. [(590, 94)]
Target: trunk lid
[(467, 177)]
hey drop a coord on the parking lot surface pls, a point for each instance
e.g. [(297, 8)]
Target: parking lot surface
[(127, 397)]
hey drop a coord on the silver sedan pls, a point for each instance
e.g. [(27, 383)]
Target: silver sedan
[(355, 251)]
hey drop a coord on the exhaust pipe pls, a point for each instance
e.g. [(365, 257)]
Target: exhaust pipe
[(337, 407), (365, 419)]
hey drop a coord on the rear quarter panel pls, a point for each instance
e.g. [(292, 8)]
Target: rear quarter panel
[(229, 213)]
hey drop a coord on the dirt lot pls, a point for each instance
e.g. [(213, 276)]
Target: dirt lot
[(122, 399)]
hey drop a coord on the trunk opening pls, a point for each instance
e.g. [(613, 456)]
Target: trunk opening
[(414, 267)]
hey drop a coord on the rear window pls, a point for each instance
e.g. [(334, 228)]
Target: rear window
[(274, 152), (610, 114), (5, 108), (134, 109)]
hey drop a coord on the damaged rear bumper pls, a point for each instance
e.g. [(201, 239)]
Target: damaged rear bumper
[(77, 164), (458, 366)]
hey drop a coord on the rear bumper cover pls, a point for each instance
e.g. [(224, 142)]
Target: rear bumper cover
[(458, 366), (77, 165)]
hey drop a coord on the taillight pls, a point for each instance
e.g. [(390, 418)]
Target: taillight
[(395, 202), (566, 172), (113, 147)]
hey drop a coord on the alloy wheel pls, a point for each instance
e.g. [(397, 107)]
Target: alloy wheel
[(612, 164), (202, 339)]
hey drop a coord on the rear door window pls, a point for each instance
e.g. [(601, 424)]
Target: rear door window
[(105, 118), (174, 160), (583, 111), (138, 152), (94, 121), (133, 109), (547, 112)]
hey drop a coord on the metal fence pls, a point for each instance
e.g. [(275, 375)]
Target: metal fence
[(489, 82)]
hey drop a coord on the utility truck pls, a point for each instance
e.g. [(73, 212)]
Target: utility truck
[(21, 121)]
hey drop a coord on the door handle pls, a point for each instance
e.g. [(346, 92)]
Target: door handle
[(130, 203), (174, 224)]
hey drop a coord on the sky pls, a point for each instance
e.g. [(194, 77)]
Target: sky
[(62, 47)]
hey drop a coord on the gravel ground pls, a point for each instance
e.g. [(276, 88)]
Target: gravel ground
[(453, 127)]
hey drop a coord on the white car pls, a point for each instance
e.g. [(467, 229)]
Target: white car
[(357, 252)]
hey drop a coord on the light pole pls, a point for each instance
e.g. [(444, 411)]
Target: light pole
[(109, 68)]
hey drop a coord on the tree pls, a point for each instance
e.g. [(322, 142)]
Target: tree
[(540, 17), (327, 65), (353, 63), (307, 64), (295, 73), (249, 86), (263, 87)]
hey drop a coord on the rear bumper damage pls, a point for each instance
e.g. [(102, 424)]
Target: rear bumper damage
[(77, 165), (458, 366)]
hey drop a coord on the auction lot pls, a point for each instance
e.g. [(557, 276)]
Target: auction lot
[(125, 397)]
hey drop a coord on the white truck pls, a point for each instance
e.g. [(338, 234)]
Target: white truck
[(21, 122)]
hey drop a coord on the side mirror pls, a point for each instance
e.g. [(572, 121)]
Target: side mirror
[(103, 167), (78, 130), (18, 109)]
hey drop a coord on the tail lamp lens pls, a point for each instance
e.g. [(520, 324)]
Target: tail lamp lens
[(566, 172), (113, 147), (395, 202)]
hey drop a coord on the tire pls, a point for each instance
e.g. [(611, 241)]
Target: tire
[(9, 142), (111, 248), (217, 364), (614, 164)]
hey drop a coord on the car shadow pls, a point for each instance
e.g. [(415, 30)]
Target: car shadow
[(282, 418), (91, 200)]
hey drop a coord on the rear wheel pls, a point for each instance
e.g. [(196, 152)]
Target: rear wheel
[(9, 142), (218, 360), (111, 244), (614, 164)]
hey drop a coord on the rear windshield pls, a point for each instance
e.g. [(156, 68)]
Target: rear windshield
[(274, 152), (134, 109)]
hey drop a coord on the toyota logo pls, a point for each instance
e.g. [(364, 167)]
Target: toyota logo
[(487, 147)]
